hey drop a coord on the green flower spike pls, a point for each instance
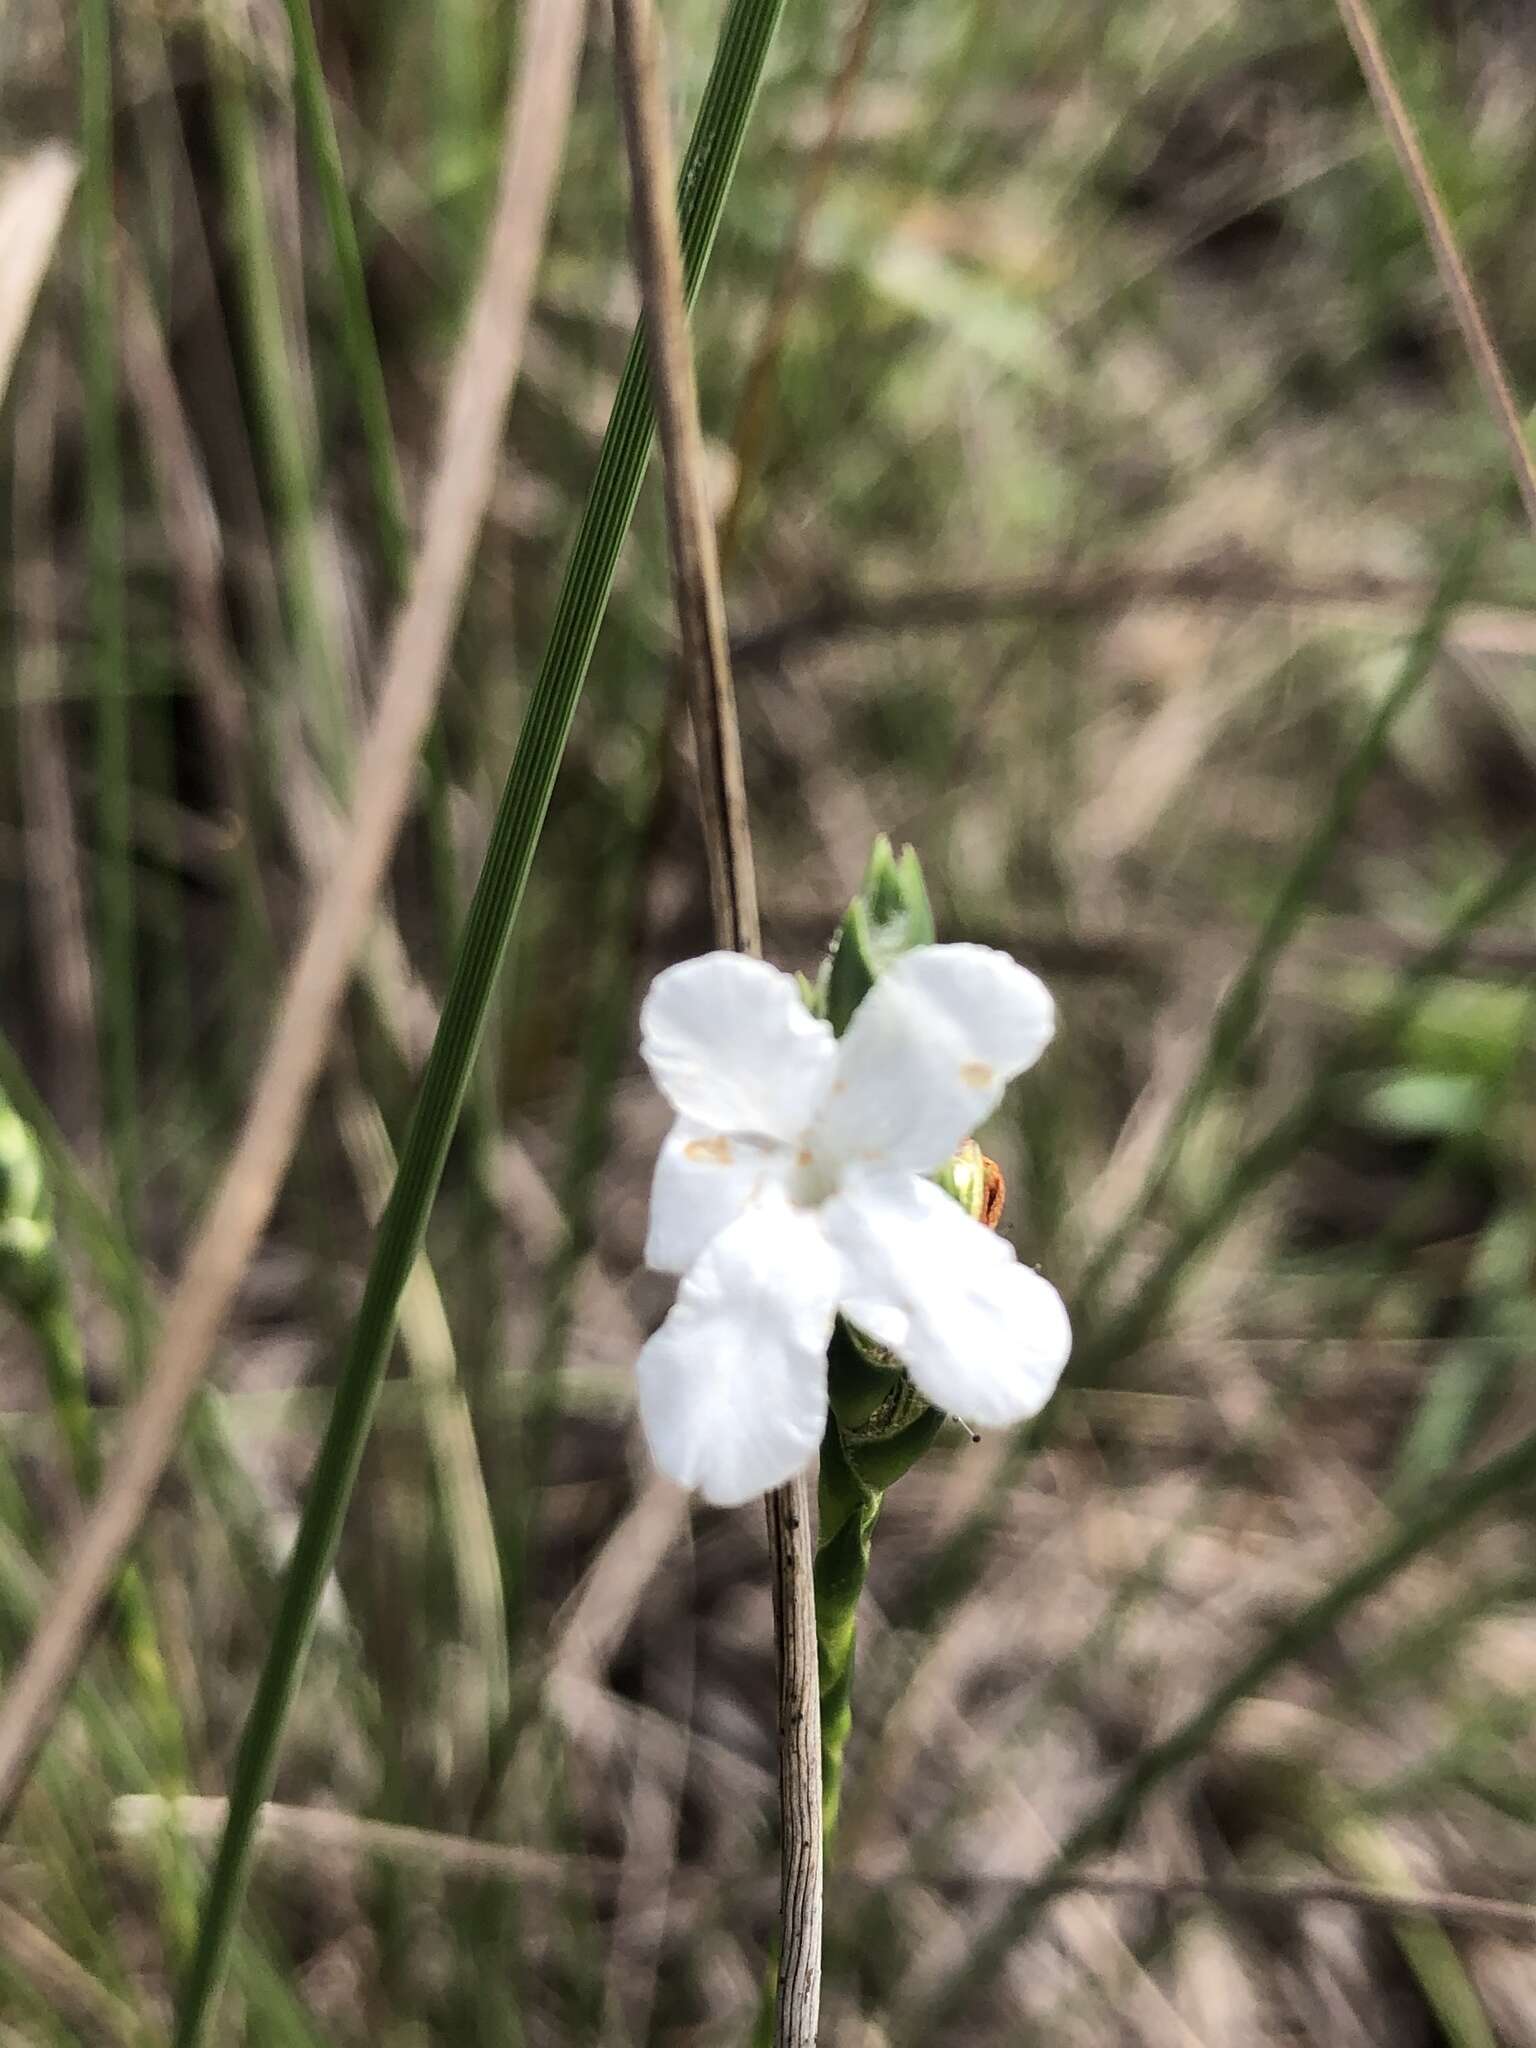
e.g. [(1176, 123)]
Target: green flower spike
[(820, 1201), (879, 1424)]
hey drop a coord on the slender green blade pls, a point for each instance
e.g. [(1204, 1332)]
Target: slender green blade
[(1512, 1471), (117, 965), (1295, 897), (1429, 1522), (705, 179)]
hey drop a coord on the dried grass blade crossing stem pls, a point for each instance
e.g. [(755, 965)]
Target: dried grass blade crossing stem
[(700, 605), (34, 197), (479, 389)]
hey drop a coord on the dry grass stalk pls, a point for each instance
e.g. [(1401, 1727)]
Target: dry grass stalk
[(1360, 27), (34, 197), (70, 1993), (458, 496), (700, 602)]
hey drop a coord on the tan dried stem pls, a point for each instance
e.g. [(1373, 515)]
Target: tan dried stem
[(35, 193), (700, 605), (1370, 51), (479, 390)]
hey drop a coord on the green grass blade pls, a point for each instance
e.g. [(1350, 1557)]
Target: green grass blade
[(705, 179), (117, 973), (359, 347), (282, 413), (1296, 895), (1274, 1148), (1414, 1534), (1510, 1472)]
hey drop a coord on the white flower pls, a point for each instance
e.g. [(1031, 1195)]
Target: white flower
[(792, 1186)]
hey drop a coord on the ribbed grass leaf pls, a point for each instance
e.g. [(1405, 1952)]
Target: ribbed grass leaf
[(705, 179)]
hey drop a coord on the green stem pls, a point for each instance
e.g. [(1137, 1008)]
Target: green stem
[(878, 1427), (706, 177), (848, 1509), (282, 415), (117, 976)]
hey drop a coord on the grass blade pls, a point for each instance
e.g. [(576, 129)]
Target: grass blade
[(1413, 1535), (1243, 1003), (706, 176), (116, 982), (1458, 1505)]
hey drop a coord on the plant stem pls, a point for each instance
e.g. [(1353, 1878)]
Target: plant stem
[(878, 1427), (849, 1510), (117, 980), (700, 602)]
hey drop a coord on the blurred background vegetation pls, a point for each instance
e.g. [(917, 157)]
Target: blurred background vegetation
[(1097, 460)]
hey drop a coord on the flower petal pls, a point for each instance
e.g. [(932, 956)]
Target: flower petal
[(981, 1335), (928, 1054), (703, 1181), (733, 1386), (730, 1043)]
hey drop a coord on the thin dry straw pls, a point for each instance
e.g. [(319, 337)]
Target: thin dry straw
[(700, 603), (1360, 27), (475, 406)]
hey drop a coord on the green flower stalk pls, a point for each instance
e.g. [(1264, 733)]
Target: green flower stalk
[(866, 1450), (879, 1423)]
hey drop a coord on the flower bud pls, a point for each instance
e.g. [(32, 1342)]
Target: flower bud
[(976, 1182), (29, 1251), (890, 915), (965, 1178), (28, 1264), (21, 1168)]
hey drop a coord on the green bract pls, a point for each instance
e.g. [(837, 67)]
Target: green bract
[(890, 915)]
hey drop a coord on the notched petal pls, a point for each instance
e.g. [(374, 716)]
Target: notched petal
[(733, 1386), (929, 1052), (981, 1335)]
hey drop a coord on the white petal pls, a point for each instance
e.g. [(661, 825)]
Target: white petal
[(730, 1043), (928, 1054), (733, 1386), (980, 1335), (703, 1181)]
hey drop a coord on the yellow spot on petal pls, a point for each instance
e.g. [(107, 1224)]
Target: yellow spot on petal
[(977, 1074), (803, 1156), (709, 1151)]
